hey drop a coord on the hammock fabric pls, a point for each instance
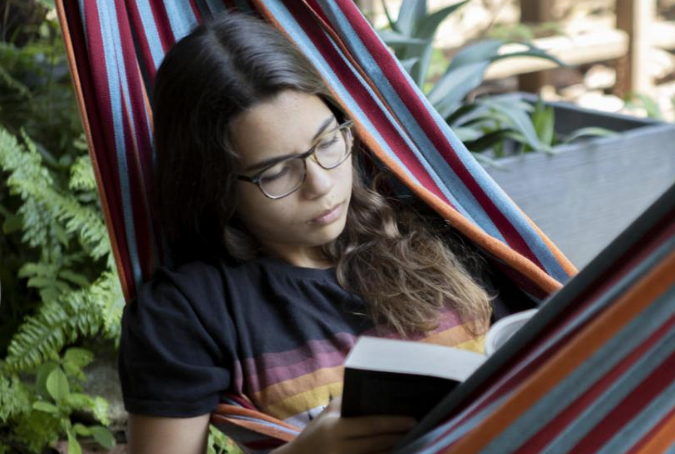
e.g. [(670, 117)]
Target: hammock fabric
[(115, 48)]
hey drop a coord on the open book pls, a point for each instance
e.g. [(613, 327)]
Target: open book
[(399, 377)]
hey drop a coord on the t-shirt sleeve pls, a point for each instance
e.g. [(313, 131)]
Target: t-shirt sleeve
[(177, 342)]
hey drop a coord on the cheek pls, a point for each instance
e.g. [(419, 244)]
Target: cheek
[(261, 214), (346, 176)]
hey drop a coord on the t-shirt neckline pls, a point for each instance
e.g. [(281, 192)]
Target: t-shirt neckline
[(282, 266)]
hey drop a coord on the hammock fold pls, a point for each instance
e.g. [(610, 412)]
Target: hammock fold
[(115, 48)]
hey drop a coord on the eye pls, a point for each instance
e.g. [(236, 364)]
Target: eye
[(328, 142), (276, 172)]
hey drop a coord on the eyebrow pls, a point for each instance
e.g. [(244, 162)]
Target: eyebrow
[(269, 162)]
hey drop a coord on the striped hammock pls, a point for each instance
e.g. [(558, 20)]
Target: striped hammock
[(115, 48)]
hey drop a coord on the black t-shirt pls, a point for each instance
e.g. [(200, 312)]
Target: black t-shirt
[(272, 332)]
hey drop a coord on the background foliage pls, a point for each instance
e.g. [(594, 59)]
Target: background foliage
[(61, 298), (60, 295)]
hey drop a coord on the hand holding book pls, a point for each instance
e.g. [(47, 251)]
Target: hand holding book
[(399, 377)]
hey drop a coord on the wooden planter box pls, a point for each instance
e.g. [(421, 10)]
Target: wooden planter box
[(588, 192)]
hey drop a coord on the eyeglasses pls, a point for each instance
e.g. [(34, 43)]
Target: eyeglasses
[(285, 177)]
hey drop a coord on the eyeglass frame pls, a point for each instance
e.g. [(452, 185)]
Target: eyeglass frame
[(255, 179)]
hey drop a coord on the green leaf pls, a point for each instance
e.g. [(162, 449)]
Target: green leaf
[(481, 52), (488, 141), (408, 64), (543, 119), (103, 436), (12, 224), (40, 282), (453, 86), (464, 114), (49, 294), (41, 377), (82, 430), (486, 161), (428, 25), (590, 131), (646, 102), (395, 39), (410, 14), (57, 385), (520, 122), (80, 357), (46, 407), (390, 19), (73, 445), (532, 54), (467, 134)]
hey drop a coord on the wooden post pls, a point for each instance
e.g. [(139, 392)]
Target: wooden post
[(535, 11), (635, 18)]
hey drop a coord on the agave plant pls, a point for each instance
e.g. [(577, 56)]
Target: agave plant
[(489, 121), (494, 123)]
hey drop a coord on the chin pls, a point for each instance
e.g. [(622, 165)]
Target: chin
[(330, 232)]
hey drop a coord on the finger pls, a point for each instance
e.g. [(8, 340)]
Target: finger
[(374, 425), (370, 445)]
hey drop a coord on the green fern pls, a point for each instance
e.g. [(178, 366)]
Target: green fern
[(14, 398), (80, 293), (46, 211), (94, 311)]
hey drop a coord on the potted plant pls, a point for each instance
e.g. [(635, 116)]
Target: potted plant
[(581, 175)]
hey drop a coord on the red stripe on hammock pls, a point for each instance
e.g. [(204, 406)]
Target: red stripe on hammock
[(138, 147), (572, 413), (105, 136), (161, 19), (642, 396), (143, 42)]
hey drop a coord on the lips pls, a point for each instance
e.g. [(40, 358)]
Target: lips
[(329, 215)]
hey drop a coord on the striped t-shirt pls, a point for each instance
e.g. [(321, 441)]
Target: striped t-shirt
[(272, 332)]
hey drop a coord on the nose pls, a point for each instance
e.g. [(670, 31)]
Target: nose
[(318, 180)]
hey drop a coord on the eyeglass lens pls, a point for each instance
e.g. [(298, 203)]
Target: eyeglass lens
[(288, 175)]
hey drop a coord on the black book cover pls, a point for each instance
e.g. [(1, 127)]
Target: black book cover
[(389, 393)]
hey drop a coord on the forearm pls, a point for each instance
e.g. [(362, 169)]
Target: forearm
[(158, 435)]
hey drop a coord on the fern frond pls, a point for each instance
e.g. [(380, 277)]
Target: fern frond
[(44, 206), (82, 175), (38, 430), (95, 310), (14, 398)]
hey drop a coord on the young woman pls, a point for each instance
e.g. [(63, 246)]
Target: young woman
[(284, 253)]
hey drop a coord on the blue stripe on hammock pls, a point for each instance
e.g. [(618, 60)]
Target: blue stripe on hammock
[(114, 65), (150, 32), (630, 379), (181, 17), (583, 377), (262, 422), (214, 6)]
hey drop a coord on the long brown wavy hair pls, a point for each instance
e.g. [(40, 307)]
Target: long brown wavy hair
[(404, 262)]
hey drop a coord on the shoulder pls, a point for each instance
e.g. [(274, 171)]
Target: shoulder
[(197, 280), (193, 292)]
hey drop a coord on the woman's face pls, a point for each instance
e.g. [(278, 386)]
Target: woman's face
[(294, 227)]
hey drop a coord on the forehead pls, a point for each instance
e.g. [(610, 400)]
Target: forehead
[(283, 125)]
